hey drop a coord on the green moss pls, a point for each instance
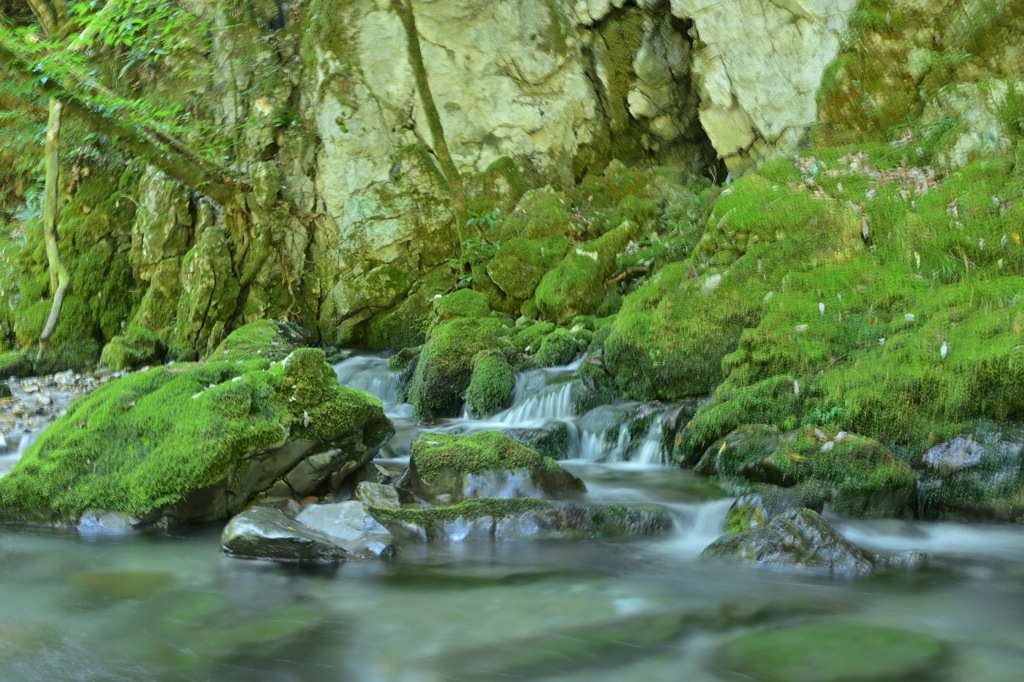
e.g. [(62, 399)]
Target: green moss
[(461, 303), (520, 263), (558, 348), (444, 368), (14, 364), (138, 347), (262, 340), (529, 337), (484, 451), (833, 652), (131, 445), (540, 214), (672, 333), (577, 285), (491, 384)]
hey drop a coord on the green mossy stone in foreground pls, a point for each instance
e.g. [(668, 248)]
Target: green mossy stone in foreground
[(192, 442), (832, 652)]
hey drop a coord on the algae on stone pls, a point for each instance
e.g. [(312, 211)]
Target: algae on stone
[(194, 442)]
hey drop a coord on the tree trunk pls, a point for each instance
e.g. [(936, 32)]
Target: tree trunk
[(58, 272), (404, 10)]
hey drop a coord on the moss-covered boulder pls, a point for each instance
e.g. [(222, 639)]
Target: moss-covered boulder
[(558, 348), (461, 328), (521, 518), (798, 538), (832, 652), (199, 442), (758, 508), (446, 469), (577, 285), (866, 479), (673, 332), (138, 347), (491, 384), (14, 364)]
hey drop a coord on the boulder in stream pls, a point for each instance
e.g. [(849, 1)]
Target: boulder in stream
[(350, 527), (865, 478), (447, 469), (266, 533), (977, 476), (799, 537), (522, 518), (199, 442), (832, 652)]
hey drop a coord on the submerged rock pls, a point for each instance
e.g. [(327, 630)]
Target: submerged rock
[(799, 538), (522, 518), (199, 442), (446, 469), (265, 533), (832, 652)]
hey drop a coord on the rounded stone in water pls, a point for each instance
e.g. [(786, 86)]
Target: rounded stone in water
[(832, 652)]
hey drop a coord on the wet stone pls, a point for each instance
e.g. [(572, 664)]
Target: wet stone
[(264, 533)]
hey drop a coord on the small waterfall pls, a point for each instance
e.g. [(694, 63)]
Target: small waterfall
[(649, 451), (551, 403), (369, 374), (608, 433)]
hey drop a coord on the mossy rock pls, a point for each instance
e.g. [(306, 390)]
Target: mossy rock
[(577, 285), (138, 347), (447, 468), (520, 264), (406, 325), (539, 214), (673, 332), (491, 384), (866, 478), (833, 652), (530, 335), (195, 442), (14, 364), (558, 348), (460, 330), (461, 303), (522, 518), (799, 538), (261, 340)]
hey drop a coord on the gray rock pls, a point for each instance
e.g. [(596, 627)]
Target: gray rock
[(377, 495), (265, 533), (67, 378), (102, 521), (975, 476), (349, 526), (758, 508), (799, 538), (522, 518)]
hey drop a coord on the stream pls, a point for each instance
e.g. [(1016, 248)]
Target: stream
[(172, 607)]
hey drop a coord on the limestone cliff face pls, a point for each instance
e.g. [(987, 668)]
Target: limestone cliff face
[(560, 88), (351, 203)]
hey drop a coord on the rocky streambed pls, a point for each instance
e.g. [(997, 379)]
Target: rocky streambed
[(421, 572)]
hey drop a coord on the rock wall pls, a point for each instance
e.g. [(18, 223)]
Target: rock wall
[(350, 205)]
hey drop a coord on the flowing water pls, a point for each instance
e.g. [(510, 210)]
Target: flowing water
[(171, 607)]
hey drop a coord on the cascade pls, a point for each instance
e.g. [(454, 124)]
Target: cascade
[(541, 398)]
